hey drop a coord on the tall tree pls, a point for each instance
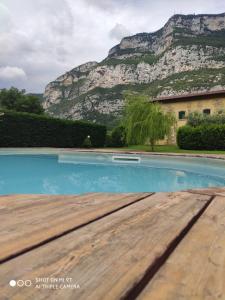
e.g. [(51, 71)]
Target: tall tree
[(14, 99), (145, 121), (31, 104), (9, 98)]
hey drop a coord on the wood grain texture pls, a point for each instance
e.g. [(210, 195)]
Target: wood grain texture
[(196, 269), (210, 191), (27, 220), (107, 258)]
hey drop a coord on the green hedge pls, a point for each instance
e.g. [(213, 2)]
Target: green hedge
[(118, 137), (207, 137), (28, 130)]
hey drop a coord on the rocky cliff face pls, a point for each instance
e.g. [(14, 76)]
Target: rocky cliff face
[(186, 55)]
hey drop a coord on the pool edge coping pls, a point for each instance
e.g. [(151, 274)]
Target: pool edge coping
[(49, 151)]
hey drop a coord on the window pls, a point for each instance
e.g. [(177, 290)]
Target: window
[(181, 115), (206, 111)]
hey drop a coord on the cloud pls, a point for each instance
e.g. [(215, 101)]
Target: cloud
[(103, 4), (5, 18), (56, 15), (118, 32), (12, 73), (114, 5)]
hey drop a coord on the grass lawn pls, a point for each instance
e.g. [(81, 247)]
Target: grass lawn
[(167, 148)]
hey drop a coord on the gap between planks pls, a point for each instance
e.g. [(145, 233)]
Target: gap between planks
[(160, 261), (195, 271), (26, 248)]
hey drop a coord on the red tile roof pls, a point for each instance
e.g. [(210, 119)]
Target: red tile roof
[(191, 96)]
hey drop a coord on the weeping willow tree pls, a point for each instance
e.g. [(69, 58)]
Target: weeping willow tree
[(144, 121)]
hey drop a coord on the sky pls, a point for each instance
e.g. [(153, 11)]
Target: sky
[(42, 39)]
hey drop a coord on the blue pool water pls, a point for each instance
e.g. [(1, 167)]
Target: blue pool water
[(81, 173)]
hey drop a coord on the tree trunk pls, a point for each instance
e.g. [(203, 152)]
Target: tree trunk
[(152, 145)]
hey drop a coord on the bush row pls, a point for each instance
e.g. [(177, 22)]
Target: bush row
[(205, 137), (117, 138), (29, 130), (197, 119)]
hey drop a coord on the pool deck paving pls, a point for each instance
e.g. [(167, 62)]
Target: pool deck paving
[(113, 246)]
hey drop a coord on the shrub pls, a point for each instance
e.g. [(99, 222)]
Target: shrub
[(204, 137), (118, 137), (197, 119), (87, 142), (189, 137), (19, 129), (108, 140)]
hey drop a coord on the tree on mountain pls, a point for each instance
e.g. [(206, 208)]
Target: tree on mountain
[(18, 100), (144, 121)]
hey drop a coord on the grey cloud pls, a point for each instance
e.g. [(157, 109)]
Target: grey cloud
[(119, 31), (114, 5), (12, 76), (11, 73), (5, 18), (58, 16), (103, 4)]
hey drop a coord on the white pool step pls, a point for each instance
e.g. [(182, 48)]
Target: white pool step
[(126, 159)]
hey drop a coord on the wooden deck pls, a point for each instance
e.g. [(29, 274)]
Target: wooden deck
[(113, 246)]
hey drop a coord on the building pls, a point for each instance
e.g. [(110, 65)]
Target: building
[(182, 106)]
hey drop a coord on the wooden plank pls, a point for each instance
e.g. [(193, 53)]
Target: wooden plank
[(28, 220), (218, 191), (196, 269), (106, 258)]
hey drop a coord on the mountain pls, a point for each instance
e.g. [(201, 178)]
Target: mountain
[(186, 55)]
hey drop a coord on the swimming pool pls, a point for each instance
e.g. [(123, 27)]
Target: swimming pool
[(79, 173)]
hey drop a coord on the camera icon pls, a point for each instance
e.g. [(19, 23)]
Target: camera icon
[(20, 283)]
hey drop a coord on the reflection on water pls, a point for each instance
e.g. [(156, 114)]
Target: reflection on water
[(49, 187), (43, 174)]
